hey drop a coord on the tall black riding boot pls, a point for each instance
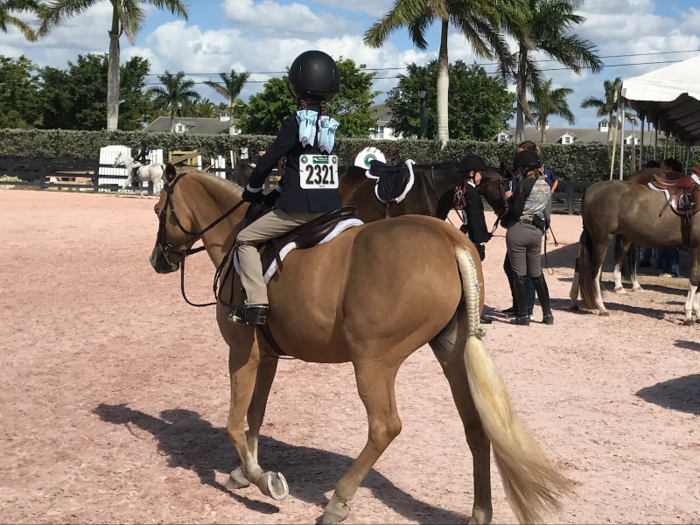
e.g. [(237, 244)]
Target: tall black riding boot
[(543, 296), (522, 318)]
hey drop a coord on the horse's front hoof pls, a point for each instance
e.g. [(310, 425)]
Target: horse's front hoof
[(336, 511), (636, 289), (689, 322), (574, 308), (274, 486), (619, 290), (603, 313), (236, 480)]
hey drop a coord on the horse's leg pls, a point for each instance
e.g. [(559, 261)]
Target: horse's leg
[(128, 181), (598, 257), (621, 247), (449, 349), (573, 294), (243, 367), (256, 412), (375, 384)]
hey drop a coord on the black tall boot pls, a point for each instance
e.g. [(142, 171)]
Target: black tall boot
[(543, 296), (522, 318)]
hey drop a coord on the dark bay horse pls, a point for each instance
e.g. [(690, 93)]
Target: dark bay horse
[(357, 299), (432, 193), (630, 210)]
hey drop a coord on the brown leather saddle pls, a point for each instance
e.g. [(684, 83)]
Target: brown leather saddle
[(683, 197), (683, 193), (305, 236), (392, 181)]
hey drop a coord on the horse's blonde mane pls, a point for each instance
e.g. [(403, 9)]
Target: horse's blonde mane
[(226, 185)]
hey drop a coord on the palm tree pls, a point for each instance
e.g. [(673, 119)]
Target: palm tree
[(545, 27), (200, 109), (6, 18), (127, 18), (606, 106), (176, 93), (230, 87), (480, 21), (550, 102)]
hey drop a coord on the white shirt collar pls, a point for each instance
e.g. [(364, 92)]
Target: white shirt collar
[(471, 184)]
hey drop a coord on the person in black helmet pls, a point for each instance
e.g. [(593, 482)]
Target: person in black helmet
[(301, 195), (529, 207), (470, 167)]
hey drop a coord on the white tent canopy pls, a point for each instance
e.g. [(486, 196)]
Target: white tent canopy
[(670, 98)]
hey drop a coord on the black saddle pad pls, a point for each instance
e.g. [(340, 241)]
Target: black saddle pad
[(392, 179)]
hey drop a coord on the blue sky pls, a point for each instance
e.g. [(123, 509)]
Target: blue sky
[(265, 36)]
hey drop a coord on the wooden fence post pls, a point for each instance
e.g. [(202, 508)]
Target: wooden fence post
[(570, 197), (42, 176), (96, 178)]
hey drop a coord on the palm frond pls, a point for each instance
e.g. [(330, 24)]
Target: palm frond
[(404, 13), (176, 7), (55, 12)]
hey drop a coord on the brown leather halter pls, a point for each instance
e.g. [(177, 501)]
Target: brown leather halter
[(167, 248)]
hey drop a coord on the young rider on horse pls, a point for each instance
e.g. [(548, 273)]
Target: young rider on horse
[(298, 198)]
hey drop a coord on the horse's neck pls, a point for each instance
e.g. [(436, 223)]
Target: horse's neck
[(207, 202)]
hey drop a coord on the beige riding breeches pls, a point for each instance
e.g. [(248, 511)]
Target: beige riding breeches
[(274, 224)]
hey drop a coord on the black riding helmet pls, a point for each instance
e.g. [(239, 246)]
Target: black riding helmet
[(314, 75), (527, 159), (471, 163)]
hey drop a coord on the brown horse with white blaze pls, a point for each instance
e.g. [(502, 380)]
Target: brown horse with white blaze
[(330, 304)]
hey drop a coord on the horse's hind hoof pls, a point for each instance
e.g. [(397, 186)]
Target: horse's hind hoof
[(688, 322), (336, 511), (620, 290), (604, 313), (274, 486), (574, 308), (236, 480)]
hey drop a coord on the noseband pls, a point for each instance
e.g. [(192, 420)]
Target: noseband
[(168, 248)]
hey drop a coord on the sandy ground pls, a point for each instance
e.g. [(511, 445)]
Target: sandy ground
[(115, 393)]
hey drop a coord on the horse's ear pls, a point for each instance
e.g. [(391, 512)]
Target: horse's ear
[(170, 173)]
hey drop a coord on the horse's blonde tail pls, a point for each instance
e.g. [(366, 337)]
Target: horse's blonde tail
[(531, 484)]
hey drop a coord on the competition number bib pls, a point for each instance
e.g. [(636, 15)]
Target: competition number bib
[(318, 172)]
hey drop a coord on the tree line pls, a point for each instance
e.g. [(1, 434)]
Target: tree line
[(75, 98), (536, 25)]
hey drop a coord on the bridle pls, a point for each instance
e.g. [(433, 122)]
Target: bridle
[(168, 248)]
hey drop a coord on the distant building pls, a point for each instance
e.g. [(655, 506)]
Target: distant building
[(382, 130), (576, 135), (207, 126)]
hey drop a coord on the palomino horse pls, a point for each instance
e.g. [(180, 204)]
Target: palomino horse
[(331, 304), (432, 193), (150, 172), (631, 211)]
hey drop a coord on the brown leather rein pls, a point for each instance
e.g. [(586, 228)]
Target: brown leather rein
[(167, 248)]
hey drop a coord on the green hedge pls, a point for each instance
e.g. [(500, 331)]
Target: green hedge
[(571, 162)]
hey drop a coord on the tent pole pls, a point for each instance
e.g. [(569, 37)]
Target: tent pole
[(621, 119), (641, 146), (614, 145), (656, 139), (666, 147), (687, 157), (674, 147)]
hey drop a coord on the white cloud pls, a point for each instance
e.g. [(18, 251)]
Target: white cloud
[(283, 20)]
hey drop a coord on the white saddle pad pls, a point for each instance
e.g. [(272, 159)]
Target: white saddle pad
[(339, 228)]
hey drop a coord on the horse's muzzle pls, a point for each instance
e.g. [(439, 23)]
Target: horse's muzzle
[(160, 262)]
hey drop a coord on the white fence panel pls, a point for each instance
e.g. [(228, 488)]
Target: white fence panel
[(219, 163), (107, 156)]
